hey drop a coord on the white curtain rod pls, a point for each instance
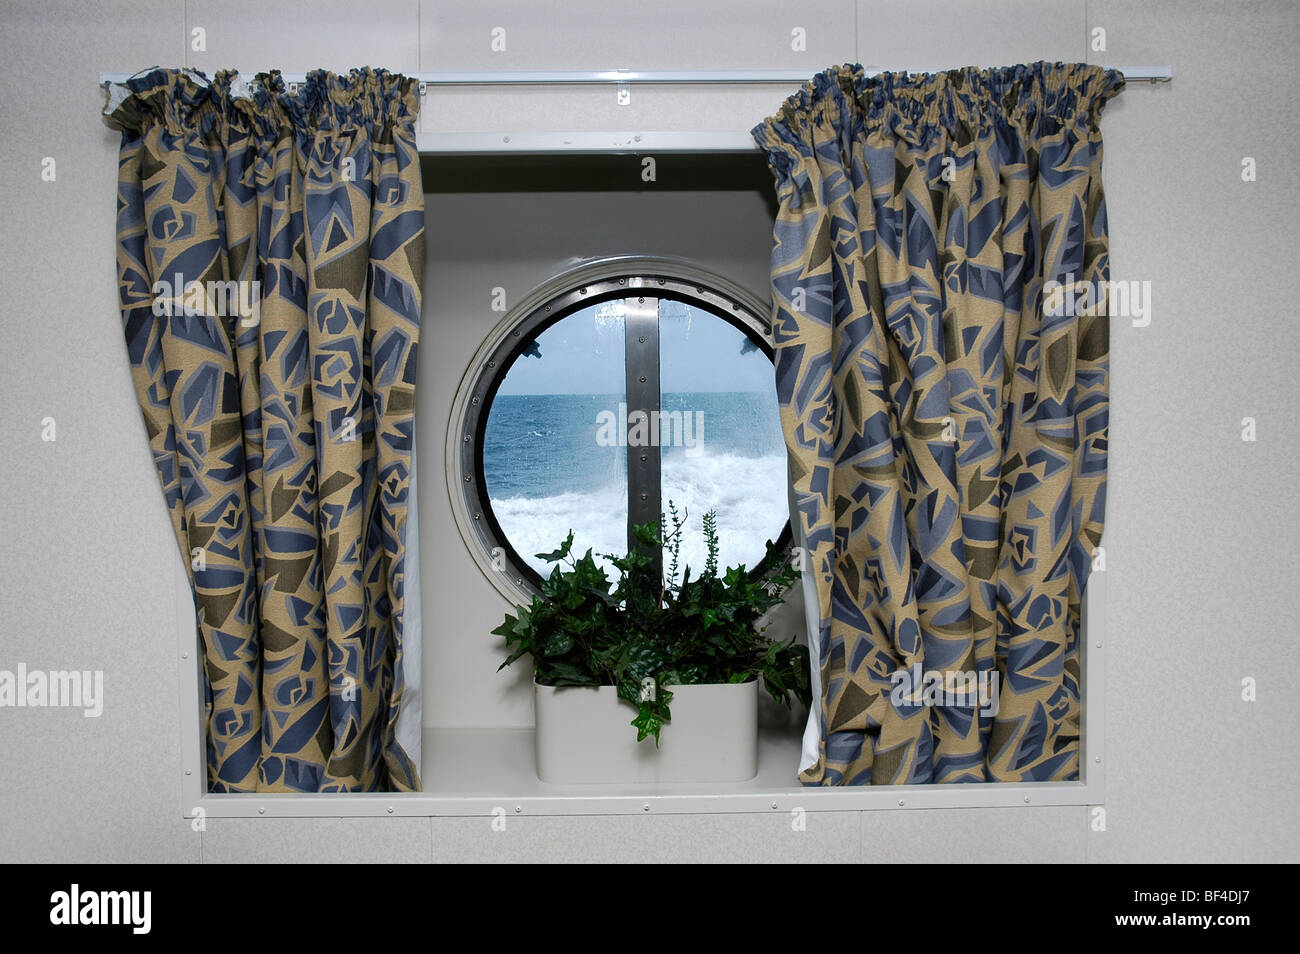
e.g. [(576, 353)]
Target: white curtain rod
[(1152, 74)]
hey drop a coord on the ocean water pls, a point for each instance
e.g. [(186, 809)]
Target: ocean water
[(547, 471)]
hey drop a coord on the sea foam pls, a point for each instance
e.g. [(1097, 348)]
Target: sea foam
[(748, 493)]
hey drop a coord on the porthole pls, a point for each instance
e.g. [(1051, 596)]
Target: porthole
[(607, 393)]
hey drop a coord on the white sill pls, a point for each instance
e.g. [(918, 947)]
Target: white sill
[(489, 772)]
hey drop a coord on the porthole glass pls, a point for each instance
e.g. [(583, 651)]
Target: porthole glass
[(544, 466), (603, 398), (721, 441)]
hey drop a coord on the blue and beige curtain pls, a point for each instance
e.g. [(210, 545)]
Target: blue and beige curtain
[(945, 409), (270, 250)]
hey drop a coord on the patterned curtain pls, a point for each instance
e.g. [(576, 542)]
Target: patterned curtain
[(945, 409), (270, 250)]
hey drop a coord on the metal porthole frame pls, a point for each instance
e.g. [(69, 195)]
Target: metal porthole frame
[(569, 291)]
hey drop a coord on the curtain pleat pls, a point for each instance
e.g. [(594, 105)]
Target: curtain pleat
[(280, 416), (946, 432)]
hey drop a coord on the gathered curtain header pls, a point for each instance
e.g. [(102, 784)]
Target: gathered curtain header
[(1038, 98), (365, 98)]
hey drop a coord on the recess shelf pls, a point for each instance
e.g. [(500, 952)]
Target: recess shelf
[(505, 767), (486, 772)]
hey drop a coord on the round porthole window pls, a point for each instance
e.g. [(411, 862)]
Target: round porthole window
[(608, 393)]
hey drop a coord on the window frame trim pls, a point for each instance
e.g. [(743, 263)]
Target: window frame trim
[(550, 302)]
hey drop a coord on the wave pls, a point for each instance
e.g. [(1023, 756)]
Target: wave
[(748, 493)]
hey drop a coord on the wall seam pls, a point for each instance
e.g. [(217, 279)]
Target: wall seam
[(857, 36), (1087, 17), (1087, 834)]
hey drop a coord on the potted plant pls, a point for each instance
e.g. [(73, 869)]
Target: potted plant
[(678, 660)]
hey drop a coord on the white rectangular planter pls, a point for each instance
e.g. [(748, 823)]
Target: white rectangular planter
[(585, 735)]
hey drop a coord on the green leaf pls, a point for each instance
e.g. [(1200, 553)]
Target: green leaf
[(513, 657), (560, 553), (507, 628), (647, 723), (557, 644), (564, 674)]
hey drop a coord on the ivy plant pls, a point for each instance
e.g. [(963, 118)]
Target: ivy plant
[(645, 631)]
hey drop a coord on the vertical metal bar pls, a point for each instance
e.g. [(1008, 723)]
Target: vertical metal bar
[(641, 327)]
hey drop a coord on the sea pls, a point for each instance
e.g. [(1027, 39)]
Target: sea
[(553, 463)]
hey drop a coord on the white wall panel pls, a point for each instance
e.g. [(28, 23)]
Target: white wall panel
[(252, 35), (86, 551), (943, 34), (966, 836), (1200, 524), (316, 841), (827, 838), (642, 35)]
